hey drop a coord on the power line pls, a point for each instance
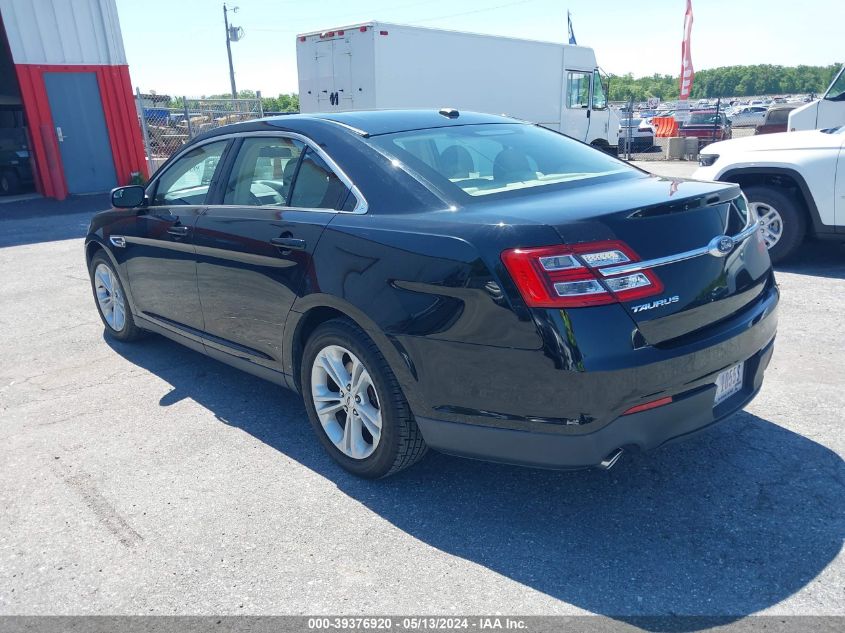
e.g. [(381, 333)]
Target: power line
[(486, 9), (349, 15)]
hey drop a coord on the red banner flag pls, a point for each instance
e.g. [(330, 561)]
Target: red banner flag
[(687, 72)]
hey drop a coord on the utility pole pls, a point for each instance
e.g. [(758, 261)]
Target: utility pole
[(229, 49)]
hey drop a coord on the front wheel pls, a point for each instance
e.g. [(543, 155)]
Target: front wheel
[(111, 300), (355, 403), (782, 222), (10, 183)]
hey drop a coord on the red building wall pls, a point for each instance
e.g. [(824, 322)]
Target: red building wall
[(120, 115)]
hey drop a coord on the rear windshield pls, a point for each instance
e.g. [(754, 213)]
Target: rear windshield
[(482, 160), (778, 116), (702, 118)]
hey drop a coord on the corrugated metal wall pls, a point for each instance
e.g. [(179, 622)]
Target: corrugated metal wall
[(63, 31)]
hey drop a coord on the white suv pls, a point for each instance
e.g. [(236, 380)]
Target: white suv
[(794, 181)]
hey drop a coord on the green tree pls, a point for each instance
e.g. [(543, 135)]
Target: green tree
[(727, 81)]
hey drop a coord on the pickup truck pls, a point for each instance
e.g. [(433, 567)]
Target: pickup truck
[(706, 125), (794, 182)]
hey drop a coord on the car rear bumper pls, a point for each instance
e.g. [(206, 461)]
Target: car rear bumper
[(637, 141), (689, 413)]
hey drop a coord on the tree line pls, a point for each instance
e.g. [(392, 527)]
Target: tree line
[(280, 103), (728, 81)]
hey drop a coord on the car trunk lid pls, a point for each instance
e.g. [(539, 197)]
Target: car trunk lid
[(680, 235)]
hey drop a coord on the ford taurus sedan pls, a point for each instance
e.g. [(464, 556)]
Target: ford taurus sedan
[(448, 280)]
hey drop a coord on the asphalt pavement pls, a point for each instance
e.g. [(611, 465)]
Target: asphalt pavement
[(147, 479)]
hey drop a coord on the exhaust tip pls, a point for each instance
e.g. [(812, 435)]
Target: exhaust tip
[(610, 461)]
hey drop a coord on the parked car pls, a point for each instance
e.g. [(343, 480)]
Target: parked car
[(635, 134), (775, 120), (794, 182), (464, 282), (648, 122), (707, 126), (15, 162), (748, 116)]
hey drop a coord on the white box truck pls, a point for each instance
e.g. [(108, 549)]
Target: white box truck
[(381, 66), (824, 113)]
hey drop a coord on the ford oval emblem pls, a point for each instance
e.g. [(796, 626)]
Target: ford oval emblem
[(720, 246)]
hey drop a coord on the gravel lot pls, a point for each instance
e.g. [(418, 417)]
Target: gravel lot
[(147, 479)]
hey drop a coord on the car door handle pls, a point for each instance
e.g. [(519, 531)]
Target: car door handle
[(178, 230), (288, 243)]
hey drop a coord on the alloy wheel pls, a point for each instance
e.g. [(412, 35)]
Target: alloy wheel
[(771, 223), (109, 297), (346, 402)]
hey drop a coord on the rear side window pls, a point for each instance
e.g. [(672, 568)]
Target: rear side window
[(481, 160), (316, 185), (263, 172), (186, 181)]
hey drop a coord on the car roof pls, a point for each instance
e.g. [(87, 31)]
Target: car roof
[(369, 122), (374, 122)]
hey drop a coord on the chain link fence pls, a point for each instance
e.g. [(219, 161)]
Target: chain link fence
[(167, 123), (648, 134)]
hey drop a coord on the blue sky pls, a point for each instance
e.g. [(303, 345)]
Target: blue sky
[(178, 46)]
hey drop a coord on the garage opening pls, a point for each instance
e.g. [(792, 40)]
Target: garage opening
[(17, 174)]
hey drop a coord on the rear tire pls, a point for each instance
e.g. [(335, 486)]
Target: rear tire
[(10, 183), (784, 222), (338, 350), (110, 299), (603, 146)]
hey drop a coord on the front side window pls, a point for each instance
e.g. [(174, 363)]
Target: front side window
[(316, 185), (578, 90), (186, 181), (482, 160), (599, 92), (263, 172)]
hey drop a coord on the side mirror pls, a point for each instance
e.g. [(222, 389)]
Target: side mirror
[(128, 197)]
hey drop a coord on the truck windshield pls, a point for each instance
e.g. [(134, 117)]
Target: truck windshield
[(481, 160), (599, 91), (836, 92)]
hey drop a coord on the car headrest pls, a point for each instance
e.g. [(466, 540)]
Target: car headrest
[(456, 162), (511, 165)]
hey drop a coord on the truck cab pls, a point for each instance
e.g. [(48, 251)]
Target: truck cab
[(585, 114), (822, 114), (385, 66)]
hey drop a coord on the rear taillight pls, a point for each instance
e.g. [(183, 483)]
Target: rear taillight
[(568, 277)]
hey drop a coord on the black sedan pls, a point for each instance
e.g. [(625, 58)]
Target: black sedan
[(448, 280)]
